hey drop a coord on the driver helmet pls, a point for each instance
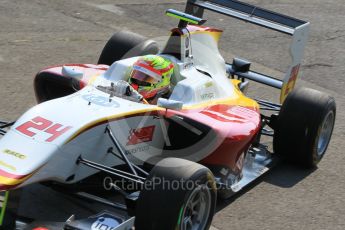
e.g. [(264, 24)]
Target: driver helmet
[(151, 75)]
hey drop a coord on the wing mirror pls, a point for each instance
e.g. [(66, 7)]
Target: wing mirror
[(69, 71), (170, 104), (240, 65)]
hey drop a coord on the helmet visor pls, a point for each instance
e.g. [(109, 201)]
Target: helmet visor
[(146, 73), (139, 82), (141, 77)]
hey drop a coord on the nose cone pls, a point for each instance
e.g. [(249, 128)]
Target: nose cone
[(10, 181), (20, 158)]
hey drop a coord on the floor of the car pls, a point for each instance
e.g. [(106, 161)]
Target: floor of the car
[(258, 161)]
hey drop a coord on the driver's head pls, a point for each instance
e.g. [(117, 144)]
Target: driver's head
[(151, 75)]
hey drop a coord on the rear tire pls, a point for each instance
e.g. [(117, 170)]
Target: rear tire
[(125, 44), (304, 126), (186, 193)]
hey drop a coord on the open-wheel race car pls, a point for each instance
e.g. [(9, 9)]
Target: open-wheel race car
[(199, 141)]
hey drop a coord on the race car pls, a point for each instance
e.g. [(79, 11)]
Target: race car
[(201, 141)]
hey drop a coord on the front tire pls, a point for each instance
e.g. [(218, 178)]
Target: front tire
[(304, 126), (183, 197)]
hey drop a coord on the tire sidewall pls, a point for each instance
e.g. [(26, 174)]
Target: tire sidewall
[(315, 157), (202, 180)]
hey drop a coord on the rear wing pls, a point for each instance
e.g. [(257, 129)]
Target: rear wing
[(296, 28)]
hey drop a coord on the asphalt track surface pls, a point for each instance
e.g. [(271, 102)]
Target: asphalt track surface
[(39, 33)]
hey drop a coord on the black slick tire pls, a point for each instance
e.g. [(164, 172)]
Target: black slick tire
[(125, 44), (300, 126), (162, 207)]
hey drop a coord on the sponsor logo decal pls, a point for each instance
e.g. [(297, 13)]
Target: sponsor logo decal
[(206, 96), (242, 112), (208, 84), (140, 135), (100, 100), (7, 166), (188, 65), (104, 223), (15, 154), (39, 125), (292, 81), (138, 149)]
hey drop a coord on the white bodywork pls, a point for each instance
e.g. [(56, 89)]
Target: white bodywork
[(56, 160)]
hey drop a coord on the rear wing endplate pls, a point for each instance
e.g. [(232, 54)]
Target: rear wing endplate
[(296, 28)]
